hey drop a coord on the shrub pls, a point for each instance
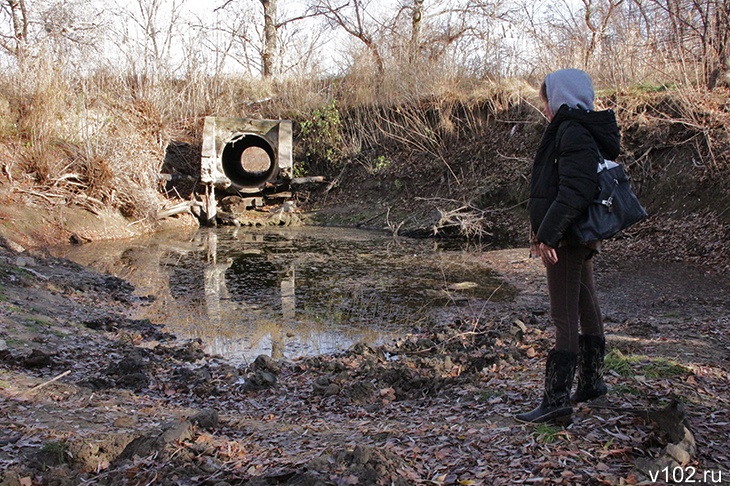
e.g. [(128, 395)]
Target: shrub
[(321, 138)]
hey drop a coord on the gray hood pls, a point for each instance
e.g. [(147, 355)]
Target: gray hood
[(571, 87)]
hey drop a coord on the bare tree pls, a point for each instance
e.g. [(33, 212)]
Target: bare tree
[(416, 23), (299, 49), (72, 29), (15, 42), (598, 15), (232, 38), (695, 32), (268, 56), (268, 46), (719, 68), (352, 17), (445, 31), (159, 33), (68, 30), (148, 36)]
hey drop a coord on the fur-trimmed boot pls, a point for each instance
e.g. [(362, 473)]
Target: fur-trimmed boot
[(559, 372), (591, 350)]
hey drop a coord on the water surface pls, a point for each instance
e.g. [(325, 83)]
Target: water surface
[(295, 291)]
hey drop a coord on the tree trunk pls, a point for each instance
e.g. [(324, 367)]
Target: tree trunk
[(719, 71), (20, 28), (416, 21), (268, 57)]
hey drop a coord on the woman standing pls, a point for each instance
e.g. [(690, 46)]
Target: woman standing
[(563, 184)]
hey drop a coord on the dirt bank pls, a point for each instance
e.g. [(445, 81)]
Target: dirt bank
[(89, 396)]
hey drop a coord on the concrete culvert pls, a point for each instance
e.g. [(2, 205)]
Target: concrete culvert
[(249, 161)]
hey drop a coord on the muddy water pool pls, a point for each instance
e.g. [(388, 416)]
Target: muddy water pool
[(295, 291)]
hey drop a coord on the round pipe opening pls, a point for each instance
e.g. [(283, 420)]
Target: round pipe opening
[(249, 161)]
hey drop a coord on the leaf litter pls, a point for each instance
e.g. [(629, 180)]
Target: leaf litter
[(137, 406)]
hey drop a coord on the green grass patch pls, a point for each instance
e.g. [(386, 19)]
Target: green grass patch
[(616, 360), (55, 451), (639, 364), (664, 368), (624, 389), (14, 342), (547, 433), (487, 395), (37, 323)]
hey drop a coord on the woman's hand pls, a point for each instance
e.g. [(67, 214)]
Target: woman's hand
[(548, 254)]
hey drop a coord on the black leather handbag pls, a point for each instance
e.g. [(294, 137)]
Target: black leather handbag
[(615, 207)]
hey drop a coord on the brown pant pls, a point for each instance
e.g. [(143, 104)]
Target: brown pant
[(573, 302)]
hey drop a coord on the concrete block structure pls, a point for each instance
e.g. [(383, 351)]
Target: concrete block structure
[(244, 156)]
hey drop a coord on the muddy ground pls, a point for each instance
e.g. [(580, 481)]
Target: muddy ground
[(90, 396)]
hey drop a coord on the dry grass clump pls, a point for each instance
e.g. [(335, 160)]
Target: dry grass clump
[(681, 119), (437, 125), (363, 85), (69, 146), (130, 149)]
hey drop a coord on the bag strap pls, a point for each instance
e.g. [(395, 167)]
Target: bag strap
[(562, 128), (608, 202)]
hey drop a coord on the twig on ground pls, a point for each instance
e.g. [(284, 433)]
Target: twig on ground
[(58, 377)]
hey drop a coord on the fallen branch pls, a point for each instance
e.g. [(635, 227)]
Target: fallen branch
[(370, 220), (177, 209), (37, 387), (90, 203), (37, 274), (37, 194), (466, 220)]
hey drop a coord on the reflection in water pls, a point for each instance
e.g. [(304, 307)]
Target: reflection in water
[(292, 292)]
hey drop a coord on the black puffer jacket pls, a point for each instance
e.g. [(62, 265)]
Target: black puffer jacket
[(563, 184)]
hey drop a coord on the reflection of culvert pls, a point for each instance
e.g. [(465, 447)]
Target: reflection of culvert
[(249, 161)]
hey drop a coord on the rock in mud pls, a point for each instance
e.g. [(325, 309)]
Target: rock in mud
[(157, 440), (258, 380), (130, 372), (206, 419), (361, 465), (324, 385), (133, 362), (37, 359), (266, 363)]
